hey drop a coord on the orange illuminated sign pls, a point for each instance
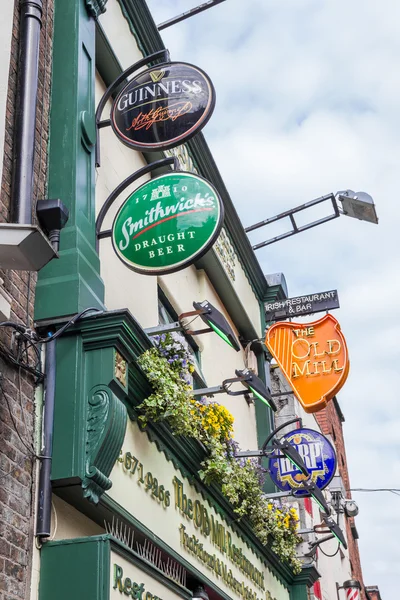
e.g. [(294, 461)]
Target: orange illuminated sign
[(313, 358)]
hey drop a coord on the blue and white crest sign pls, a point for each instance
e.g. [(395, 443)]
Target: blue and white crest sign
[(318, 455)]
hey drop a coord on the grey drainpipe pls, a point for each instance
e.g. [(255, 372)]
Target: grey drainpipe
[(21, 212), (43, 520), (25, 117)]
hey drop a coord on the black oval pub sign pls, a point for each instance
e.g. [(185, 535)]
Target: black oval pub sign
[(163, 106)]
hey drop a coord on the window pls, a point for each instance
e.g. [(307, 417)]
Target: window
[(166, 314)]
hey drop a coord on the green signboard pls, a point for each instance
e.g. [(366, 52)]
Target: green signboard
[(167, 223)]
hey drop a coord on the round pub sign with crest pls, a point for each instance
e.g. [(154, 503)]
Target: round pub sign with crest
[(313, 358), (318, 455), (167, 223)]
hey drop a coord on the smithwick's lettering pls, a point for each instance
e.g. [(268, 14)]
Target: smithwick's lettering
[(163, 107), (313, 358), (318, 455), (167, 223)]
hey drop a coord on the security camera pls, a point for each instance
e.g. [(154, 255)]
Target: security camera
[(351, 508)]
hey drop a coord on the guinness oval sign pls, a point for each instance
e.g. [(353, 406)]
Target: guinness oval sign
[(163, 106), (167, 223)]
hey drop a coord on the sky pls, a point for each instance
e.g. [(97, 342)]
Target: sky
[(308, 99)]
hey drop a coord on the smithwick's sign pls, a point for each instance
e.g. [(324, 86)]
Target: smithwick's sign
[(163, 106), (148, 486), (319, 457), (167, 223), (301, 305), (313, 358)]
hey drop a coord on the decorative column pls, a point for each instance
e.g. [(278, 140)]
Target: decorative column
[(72, 283)]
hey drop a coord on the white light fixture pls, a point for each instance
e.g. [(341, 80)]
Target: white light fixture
[(199, 593), (24, 247), (358, 205)]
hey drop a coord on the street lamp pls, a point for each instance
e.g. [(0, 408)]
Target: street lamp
[(272, 445), (250, 381), (210, 316), (358, 205)]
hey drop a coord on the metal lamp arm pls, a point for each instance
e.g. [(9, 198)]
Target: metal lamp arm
[(275, 431), (226, 382)]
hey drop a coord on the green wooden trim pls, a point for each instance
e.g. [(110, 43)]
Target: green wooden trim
[(85, 359), (90, 405), (72, 283), (302, 581), (142, 25), (81, 567), (105, 433), (77, 570)]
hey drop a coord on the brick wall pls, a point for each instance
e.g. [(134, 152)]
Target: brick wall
[(330, 422), (17, 386)]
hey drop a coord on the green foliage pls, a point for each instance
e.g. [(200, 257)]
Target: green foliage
[(168, 366)]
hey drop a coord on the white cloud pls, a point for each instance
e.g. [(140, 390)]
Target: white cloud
[(308, 96)]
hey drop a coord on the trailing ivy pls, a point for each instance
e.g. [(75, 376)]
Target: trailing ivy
[(168, 366)]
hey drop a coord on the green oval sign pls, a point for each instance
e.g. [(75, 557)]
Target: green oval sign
[(167, 223)]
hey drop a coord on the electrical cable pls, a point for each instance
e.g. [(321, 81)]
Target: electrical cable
[(10, 359), (394, 490), (71, 322), (330, 555)]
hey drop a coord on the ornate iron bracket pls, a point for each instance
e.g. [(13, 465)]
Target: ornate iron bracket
[(160, 55), (171, 160)]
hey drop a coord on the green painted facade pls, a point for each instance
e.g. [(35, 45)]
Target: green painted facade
[(92, 402)]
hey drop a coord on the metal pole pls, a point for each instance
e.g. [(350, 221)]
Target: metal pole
[(43, 524), (288, 213), (189, 13), (25, 117)]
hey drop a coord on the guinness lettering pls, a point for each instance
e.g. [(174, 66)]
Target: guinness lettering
[(156, 90), (162, 107)]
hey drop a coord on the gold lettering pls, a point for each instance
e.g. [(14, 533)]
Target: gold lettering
[(118, 573), (315, 346), (335, 366), (331, 351), (308, 349), (297, 371), (324, 370)]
